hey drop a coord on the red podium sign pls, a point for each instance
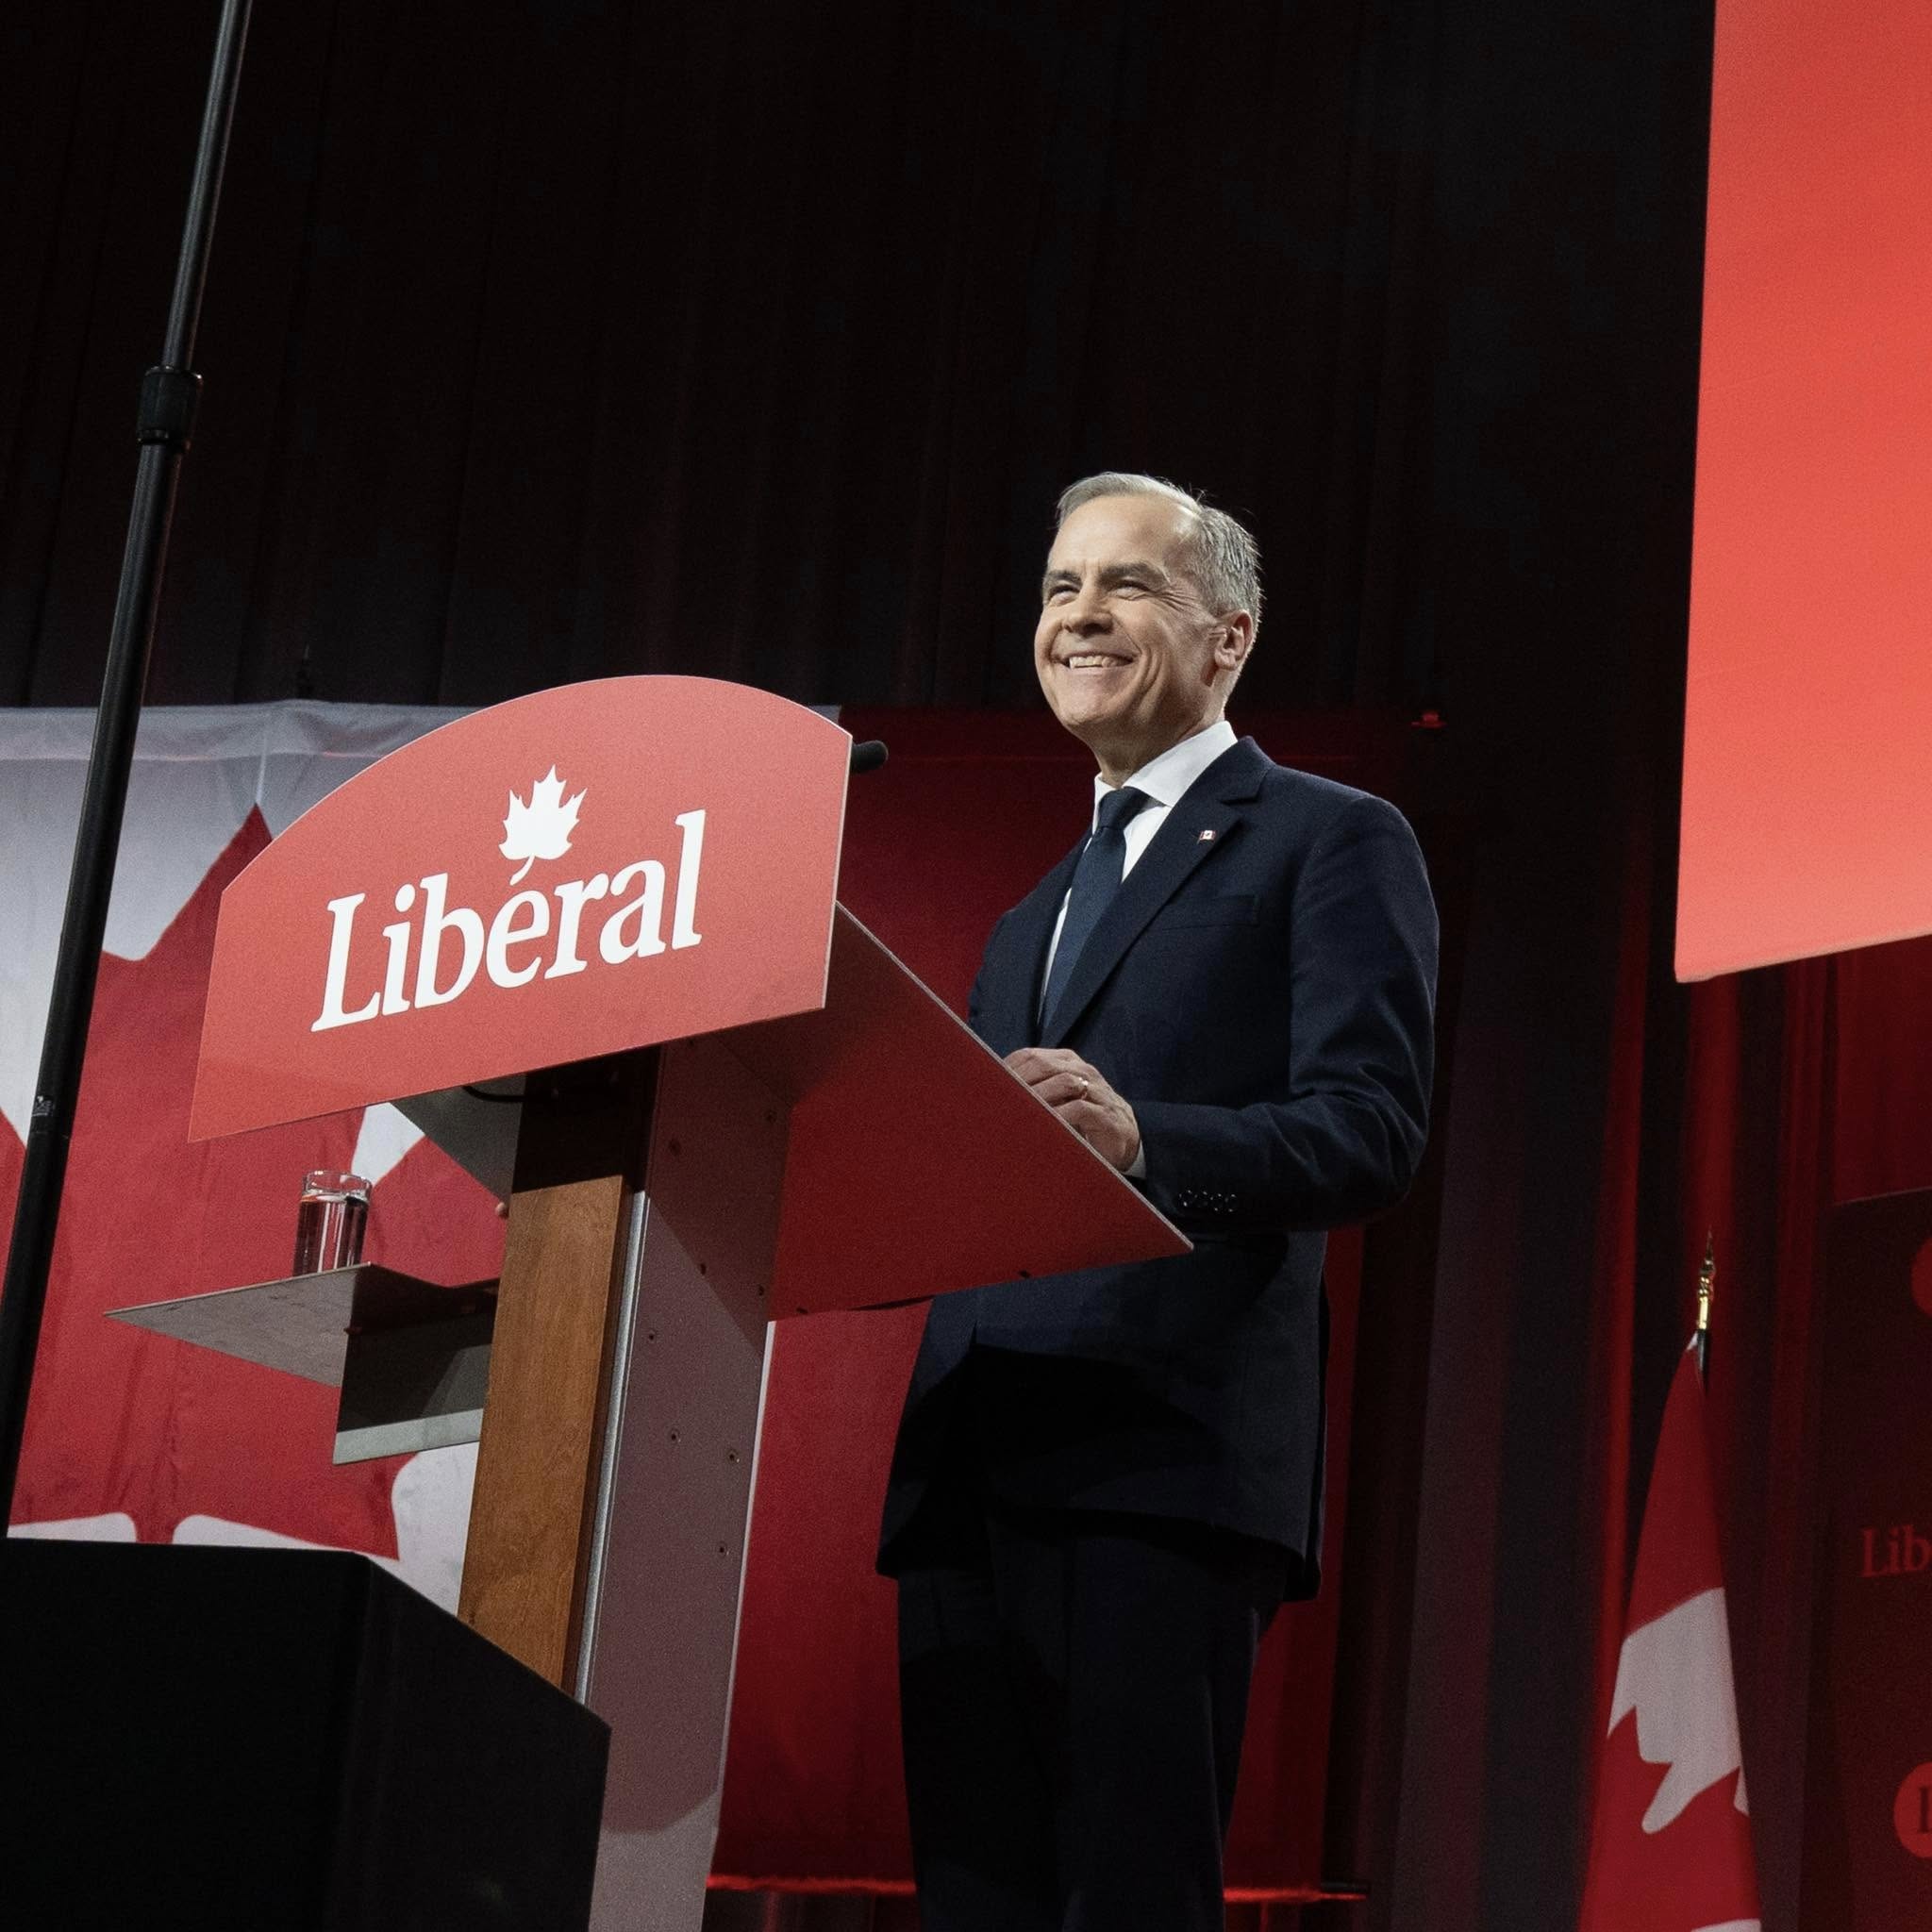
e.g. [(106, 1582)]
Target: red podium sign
[(568, 874)]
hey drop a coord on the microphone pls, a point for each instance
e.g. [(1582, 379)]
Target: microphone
[(867, 757)]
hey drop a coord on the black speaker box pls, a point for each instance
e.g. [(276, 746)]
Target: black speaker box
[(276, 1738)]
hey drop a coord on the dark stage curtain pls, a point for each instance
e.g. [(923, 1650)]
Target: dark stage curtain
[(547, 339), (551, 341)]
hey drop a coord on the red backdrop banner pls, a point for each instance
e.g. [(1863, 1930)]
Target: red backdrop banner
[(137, 1435)]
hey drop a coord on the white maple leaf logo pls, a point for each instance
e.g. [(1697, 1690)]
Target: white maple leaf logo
[(541, 829)]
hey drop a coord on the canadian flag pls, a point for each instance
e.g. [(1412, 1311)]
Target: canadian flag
[(1671, 1847)]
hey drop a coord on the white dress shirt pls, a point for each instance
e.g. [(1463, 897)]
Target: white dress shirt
[(1164, 780)]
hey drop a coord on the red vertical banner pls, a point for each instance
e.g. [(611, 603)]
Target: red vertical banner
[(1671, 1851), (1868, 1785)]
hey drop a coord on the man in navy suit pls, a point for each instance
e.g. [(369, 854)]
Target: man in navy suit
[(1106, 1482)]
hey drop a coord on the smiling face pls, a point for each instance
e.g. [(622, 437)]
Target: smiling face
[(1130, 658)]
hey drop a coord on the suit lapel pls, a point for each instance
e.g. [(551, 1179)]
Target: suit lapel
[(1005, 1020), (1206, 813)]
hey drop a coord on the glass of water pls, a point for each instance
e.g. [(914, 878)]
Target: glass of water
[(330, 1222)]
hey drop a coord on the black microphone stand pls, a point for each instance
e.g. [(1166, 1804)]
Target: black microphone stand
[(169, 393)]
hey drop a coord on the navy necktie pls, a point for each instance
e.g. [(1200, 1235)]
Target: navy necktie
[(1096, 880)]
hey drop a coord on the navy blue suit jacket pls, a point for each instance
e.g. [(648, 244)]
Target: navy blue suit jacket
[(1263, 998)]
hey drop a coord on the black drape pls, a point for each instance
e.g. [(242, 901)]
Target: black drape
[(547, 337)]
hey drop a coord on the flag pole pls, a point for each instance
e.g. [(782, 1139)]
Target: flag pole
[(1706, 1289)]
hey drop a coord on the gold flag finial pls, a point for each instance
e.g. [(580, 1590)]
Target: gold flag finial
[(1706, 1283)]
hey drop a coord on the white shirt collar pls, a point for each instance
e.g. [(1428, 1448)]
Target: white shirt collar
[(1165, 778)]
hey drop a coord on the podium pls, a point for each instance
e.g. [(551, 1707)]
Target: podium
[(712, 1100)]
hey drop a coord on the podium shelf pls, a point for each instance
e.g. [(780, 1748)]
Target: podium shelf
[(302, 1324)]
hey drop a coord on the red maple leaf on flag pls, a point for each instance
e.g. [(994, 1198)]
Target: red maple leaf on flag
[(131, 1425)]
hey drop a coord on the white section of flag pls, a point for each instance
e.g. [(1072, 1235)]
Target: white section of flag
[(430, 1500), (116, 1526), (1676, 1674), (382, 1139), (197, 771)]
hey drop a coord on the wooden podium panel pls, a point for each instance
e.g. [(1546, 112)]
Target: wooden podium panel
[(916, 1162), (540, 1459)]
